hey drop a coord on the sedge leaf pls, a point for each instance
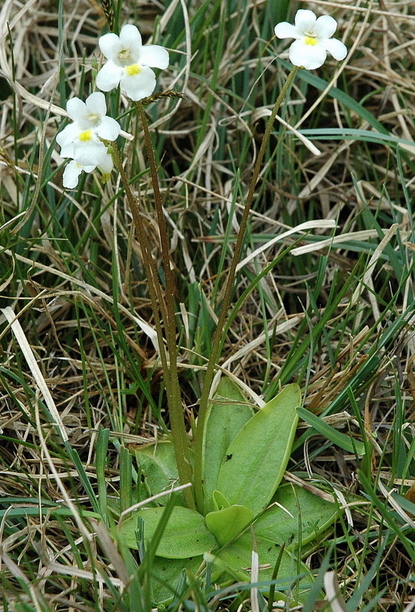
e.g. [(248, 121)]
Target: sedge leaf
[(347, 443)]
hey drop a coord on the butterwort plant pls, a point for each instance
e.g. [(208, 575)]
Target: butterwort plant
[(235, 458)]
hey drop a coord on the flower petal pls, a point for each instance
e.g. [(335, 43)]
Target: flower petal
[(71, 175), (154, 56), (106, 164), (89, 154), (68, 134), (108, 129), (96, 104), (336, 48), (110, 45), (139, 86), (325, 26), (109, 76), (130, 37), (76, 109), (304, 19), (307, 56), (68, 150), (286, 30)]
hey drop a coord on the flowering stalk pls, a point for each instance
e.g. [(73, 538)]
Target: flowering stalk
[(177, 422), (163, 309), (217, 337)]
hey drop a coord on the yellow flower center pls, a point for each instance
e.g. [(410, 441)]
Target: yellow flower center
[(85, 136), (310, 40), (133, 69)]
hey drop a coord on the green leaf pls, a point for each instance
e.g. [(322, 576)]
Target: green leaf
[(185, 535), (166, 573), (300, 517), (227, 414), (220, 500), (256, 459), (347, 443), (228, 523), (294, 578), (158, 468)]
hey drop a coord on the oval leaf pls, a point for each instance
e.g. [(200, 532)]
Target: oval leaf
[(185, 535), (158, 468), (299, 518), (228, 523), (294, 579), (167, 575), (220, 500), (256, 459), (227, 414)]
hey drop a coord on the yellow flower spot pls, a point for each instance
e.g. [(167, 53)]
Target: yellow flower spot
[(85, 136), (133, 69), (310, 40)]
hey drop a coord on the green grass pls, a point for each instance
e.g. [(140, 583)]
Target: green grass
[(333, 308)]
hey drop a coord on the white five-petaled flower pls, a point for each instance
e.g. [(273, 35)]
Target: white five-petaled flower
[(313, 39), (81, 140), (129, 63)]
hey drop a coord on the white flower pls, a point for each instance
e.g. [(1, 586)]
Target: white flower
[(313, 39), (83, 147), (88, 117), (81, 140), (72, 172), (104, 163), (129, 63)]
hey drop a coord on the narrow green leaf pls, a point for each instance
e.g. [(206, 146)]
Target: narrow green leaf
[(101, 465), (79, 466), (256, 459), (347, 443), (228, 413), (185, 534), (341, 96), (228, 523)]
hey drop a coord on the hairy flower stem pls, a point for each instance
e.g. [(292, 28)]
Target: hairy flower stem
[(217, 337), (180, 439), (156, 296)]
